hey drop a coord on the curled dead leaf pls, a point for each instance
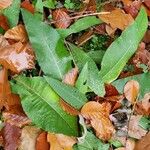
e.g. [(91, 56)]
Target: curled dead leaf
[(11, 135), (5, 3), (28, 138), (98, 114), (28, 6), (131, 90), (61, 18), (17, 57), (17, 33), (143, 106), (60, 141), (117, 19), (134, 129), (41, 142)]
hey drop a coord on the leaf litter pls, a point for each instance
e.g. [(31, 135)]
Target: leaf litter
[(58, 65)]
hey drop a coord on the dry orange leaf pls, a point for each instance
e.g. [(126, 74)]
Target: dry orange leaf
[(28, 6), (61, 18), (60, 141), (117, 19), (5, 3), (98, 114), (41, 142), (17, 33), (144, 143), (4, 22), (17, 57), (134, 130), (131, 90)]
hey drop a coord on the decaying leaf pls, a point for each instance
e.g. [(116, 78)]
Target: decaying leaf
[(17, 57), (144, 143), (28, 6), (131, 90), (5, 3), (17, 33), (143, 106), (18, 120), (61, 18), (3, 22), (41, 142), (11, 135), (28, 138), (134, 129), (117, 19), (60, 141), (3, 41), (98, 114)]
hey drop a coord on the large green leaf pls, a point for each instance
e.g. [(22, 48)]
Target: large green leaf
[(48, 46), (80, 25), (121, 50), (12, 13), (41, 104), (143, 79), (93, 79), (70, 94), (91, 142)]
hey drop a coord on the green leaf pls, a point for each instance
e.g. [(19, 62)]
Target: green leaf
[(12, 13), (115, 143), (91, 142), (145, 122), (121, 50), (81, 83), (70, 94), (97, 56), (41, 104), (79, 25), (49, 4), (142, 80), (48, 46), (93, 80)]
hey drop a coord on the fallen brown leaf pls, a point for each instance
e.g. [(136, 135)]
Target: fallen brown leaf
[(28, 138), (3, 22), (41, 142), (61, 18), (110, 90), (143, 106), (11, 135), (134, 130), (144, 143), (98, 114), (60, 141), (110, 31), (147, 3), (5, 3), (3, 41), (91, 6), (17, 57), (17, 33), (117, 19), (28, 6), (131, 90)]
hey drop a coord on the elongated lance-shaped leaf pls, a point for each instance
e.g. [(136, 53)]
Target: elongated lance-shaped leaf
[(79, 25), (69, 94), (121, 50), (12, 13), (41, 104), (49, 48), (94, 81)]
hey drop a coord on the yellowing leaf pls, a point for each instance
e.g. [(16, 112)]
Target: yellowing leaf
[(17, 33), (60, 141), (131, 90), (117, 19), (17, 57), (5, 3), (98, 114)]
